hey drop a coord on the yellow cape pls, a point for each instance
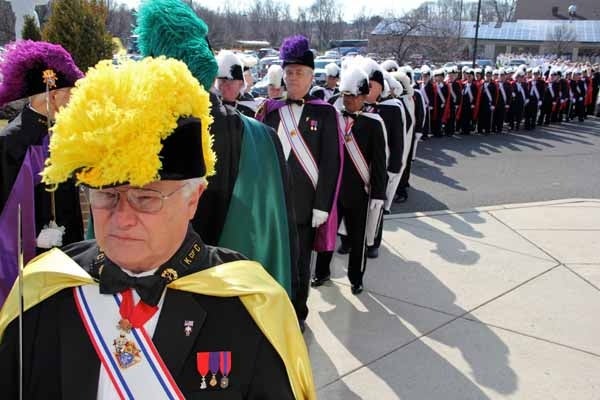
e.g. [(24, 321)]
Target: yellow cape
[(264, 299)]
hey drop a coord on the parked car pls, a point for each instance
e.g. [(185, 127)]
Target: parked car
[(264, 64), (515, 62), (482, 63), (320, 75), (260, 88)]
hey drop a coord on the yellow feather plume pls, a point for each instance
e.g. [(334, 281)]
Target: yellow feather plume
[(112, 128)]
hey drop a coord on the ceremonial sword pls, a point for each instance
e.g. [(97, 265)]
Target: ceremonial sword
[(20, 266)]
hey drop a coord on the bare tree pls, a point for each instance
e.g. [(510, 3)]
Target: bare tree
[(7, 23), (120, 22), (562, 38), (399, 39), (303, 23), (325, 14)]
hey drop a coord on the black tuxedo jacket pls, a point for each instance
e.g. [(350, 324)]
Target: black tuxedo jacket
[(394, 125), (368, 135), (319, 129), (61, 363)]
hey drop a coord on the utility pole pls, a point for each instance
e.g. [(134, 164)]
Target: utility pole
[(476, 32)]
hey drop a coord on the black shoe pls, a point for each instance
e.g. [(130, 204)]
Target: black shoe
[(372, 252), (401, 196), (386, 212), (343, 249), (316, 282), (357, 289), (302, 324)]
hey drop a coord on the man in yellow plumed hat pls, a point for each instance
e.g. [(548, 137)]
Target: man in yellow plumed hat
[(146, 310)]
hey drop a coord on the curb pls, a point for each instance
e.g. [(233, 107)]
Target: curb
[(420, 214)]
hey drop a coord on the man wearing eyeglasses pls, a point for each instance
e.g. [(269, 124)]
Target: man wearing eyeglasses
[(147, 310)]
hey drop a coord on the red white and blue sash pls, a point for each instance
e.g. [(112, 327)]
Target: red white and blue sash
[(291, 139), (148, 378), (358, 159)]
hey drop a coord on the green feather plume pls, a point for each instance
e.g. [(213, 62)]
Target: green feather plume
[(171, 28)]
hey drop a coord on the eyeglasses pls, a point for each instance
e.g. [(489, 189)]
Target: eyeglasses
[(147, 201)]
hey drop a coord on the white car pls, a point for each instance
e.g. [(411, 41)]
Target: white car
[(320, 75)]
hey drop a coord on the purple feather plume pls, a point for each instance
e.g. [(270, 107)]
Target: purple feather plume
[(293, 47), (26, 55)]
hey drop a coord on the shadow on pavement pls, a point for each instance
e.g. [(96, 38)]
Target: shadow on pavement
[(383, 333)]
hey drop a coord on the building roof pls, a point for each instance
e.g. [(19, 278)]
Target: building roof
[(522, 30), (542, 9)]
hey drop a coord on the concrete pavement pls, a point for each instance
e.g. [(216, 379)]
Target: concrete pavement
[(490, 303)]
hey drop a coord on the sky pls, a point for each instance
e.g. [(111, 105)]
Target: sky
[(350, 8)]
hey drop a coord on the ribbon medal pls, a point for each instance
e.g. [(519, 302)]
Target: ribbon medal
[(214, 367), (225, 366), (202, 367)]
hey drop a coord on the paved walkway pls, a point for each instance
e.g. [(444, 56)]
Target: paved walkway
[(491, 303)]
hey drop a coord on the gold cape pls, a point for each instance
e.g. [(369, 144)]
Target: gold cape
[(265, 300)]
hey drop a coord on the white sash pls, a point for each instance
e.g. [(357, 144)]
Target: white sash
[(468, 92), (252, 104), (357, 157), (521, 90), (501, 88), (439, 91), (424, 95), (291, 138), (452, 92), (487, 93), (149, 378), (534, 90), (551, 89)]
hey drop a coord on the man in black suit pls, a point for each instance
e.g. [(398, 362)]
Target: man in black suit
[(147, 310), (308, 130), (391, 113), (363, 179)]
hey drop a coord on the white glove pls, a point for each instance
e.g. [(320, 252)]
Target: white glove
[(50, 236), (492, 108), (430, 108), (539, 103), (375, 203), (319, 217)]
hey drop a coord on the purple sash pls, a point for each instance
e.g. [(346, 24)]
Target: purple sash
[(22, 193), (326, 234)]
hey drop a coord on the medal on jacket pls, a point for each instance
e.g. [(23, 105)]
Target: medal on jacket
[(225, 366), (214, 367), (126, 352), (202, 367)]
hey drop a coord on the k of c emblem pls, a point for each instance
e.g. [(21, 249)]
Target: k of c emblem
[(169, 274)]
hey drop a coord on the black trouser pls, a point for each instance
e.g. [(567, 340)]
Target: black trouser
[(466, 119), (426, 129), (531, 110), (516, 115), (545, 113), (406, 173), (436, 124), (579, 110), (498, 122), (355, 221), (451, 123), (306, 237), (484, 123)]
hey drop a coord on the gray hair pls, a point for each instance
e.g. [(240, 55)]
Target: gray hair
[(192, 185)]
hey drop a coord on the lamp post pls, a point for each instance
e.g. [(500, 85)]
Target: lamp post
[(476, 32)]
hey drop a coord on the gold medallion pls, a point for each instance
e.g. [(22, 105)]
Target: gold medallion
[(213, 381)]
